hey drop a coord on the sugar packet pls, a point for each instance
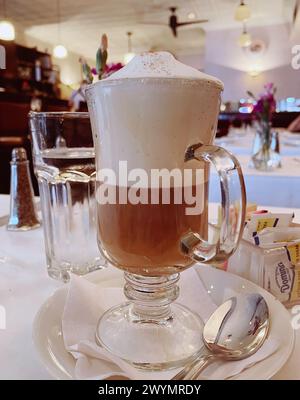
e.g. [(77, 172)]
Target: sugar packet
[(276, 237), (261, 220)]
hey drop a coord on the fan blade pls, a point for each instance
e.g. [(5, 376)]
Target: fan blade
[(153, 23), (200, 21)]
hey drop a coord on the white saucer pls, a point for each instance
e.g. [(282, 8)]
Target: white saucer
[(48, 339)]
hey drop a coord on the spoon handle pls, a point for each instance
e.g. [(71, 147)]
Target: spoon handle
[(193, 370)]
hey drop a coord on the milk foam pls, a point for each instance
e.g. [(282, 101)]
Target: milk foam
[(151, 111), (161, 65)]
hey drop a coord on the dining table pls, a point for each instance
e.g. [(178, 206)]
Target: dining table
[(25, 286), (278, 188)]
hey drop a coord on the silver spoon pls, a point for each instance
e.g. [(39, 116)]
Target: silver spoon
[(236, 330)]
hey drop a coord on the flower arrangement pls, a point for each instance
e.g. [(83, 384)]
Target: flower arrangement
[(264, 154), (265, 105), (102, 69)]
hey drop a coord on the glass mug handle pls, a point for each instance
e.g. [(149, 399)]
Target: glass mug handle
[(233, 202)]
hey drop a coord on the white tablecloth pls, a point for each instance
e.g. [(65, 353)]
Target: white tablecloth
[(240, 141), (25, 285), (279, 188)]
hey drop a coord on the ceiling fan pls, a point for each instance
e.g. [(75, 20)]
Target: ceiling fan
[(174, 24)]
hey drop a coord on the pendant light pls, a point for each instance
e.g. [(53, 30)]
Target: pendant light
[(7, 30), (242, 12), (245, 38), (129, 55), (59, 50)]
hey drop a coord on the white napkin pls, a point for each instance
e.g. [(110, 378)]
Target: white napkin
[(87, 301)]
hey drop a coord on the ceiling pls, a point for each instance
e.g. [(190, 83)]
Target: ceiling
[(83, 22)]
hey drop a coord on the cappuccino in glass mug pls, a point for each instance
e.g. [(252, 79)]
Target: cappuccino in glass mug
[(148, 115), (153, 124)]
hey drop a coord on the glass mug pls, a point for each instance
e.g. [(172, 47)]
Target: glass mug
[(141, 125)]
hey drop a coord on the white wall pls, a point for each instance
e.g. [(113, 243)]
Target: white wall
[(238, 82), (227, 61), (221, 48), (195, 60)]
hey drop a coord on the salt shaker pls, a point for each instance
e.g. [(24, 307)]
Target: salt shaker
[(23, 215)]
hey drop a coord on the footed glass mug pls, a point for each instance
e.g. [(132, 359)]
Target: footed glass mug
[(146, 130)]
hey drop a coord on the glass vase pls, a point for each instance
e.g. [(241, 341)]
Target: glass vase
[(265, 151)]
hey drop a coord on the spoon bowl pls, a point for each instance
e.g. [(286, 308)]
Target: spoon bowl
[(236, 330)]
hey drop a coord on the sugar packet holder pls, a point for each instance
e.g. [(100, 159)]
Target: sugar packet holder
[(269, 255)]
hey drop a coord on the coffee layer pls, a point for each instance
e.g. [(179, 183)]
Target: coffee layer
[(145, 239)]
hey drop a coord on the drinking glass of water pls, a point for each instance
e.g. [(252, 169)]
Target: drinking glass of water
[(64, 163)]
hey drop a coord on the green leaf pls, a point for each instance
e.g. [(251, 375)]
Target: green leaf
[(103, 63), (250, 94), (87, 72), (99, 60), (104, 60)]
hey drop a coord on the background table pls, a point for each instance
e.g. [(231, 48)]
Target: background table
[(25, 285), (279, 188), (240, 141)]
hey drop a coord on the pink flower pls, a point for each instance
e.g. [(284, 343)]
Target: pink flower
[(259, 106), (111, 68), (269, 87), (266, 103)]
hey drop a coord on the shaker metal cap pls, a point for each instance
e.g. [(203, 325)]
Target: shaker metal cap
[(18, 154)]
